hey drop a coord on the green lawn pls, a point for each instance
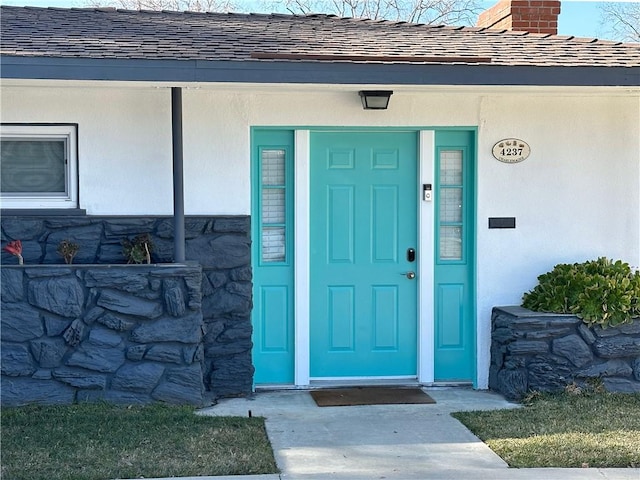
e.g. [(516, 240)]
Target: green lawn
[(98, 441), (563, 430)]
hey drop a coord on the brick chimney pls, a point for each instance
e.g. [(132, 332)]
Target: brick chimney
[(534, 16)]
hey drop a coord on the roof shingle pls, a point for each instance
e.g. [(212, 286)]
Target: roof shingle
[(123, 34)]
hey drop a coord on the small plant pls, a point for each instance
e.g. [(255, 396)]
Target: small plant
[(599, 292), (138, 250), (15, 248), (68, 250)]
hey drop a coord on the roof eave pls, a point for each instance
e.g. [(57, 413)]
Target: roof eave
[(187, 71)]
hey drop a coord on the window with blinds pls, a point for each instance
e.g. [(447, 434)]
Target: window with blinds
[(38, 165)]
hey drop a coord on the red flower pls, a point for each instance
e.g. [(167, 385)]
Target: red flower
[(15, 248)]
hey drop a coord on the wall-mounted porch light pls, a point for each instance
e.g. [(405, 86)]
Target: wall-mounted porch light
[(375, 99)]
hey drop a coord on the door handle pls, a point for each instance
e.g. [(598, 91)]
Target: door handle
[(409, 275)]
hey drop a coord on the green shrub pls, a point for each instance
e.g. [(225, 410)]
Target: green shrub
[(599, 292)]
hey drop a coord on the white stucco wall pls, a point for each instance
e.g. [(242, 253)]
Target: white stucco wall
[(576, 197)]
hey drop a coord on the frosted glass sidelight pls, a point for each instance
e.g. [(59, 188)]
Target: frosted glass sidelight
[(450, 243), (273, 167), (451, 167), (451, 205), (273, 241), (273, 205)]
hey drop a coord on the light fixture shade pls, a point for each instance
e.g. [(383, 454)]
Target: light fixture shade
[(375, 99)]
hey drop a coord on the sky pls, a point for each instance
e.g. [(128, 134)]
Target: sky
[(578, 18)]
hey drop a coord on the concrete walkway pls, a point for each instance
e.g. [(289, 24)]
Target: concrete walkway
[(386, 441)]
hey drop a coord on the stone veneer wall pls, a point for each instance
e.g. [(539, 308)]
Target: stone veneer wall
[(123, 334), (221, 245), (532, 351)]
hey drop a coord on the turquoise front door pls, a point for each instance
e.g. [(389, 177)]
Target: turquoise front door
[(454, 257), (363, 230)]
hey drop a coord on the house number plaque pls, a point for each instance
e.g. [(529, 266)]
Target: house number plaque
[(511, 150)]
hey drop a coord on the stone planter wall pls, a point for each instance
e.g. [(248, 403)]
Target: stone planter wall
[(533, 351), (123, 334), (221, 245)]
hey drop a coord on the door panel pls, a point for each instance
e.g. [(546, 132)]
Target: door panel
[(363, 220), (454, 262), (272, 256)]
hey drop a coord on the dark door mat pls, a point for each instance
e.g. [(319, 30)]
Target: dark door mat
[(342, 397)]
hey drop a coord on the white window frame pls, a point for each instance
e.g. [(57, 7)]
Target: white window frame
[(67, 132)]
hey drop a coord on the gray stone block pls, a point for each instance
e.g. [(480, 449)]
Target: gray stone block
[(20, 322), (48, 271), (217, 349), (621, 346), (116, 322), (573, 348), (75, 333), (164, 353), (80, 378), (586, 333), (113, 396), (111, 253), (96, 357), (12, 288), (55, 326), (527, 347), (184, 330), (48, 352), (512, 383), (242, 274), (238, 332), (62, 296), (92, 315), (20, 391), (232, 225), (42, 374), (87, 237), (181, 385), (548, 333), (31, 254), (225, 251), (136, 352), (127, 280), (129, 304), (194, 227), (16, 361), (174, 299), (636, 368), (243, 289), (193, 354), (611, 368), (214, 328), (631, 329), (162, 251), (605, 332), (56, 223), (104, 337), (216, 280), (621, 385), (222, 302), (231, 375), (22, 227), (140, 378), (548, 374), (125, 227)]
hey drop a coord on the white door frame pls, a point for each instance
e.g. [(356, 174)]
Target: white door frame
[(426, 149)]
